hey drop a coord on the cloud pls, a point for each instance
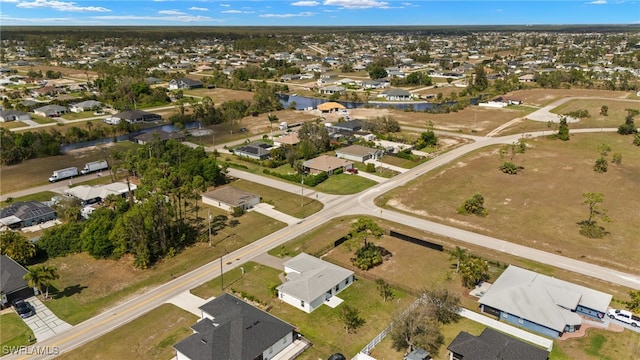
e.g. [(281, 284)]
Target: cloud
[(9, 1), (284, 16), (237, 12), (183, 18), (225, 5), (170, 12), (194, 8), (60, 6), (598, 2), (305, 3), (357, 4)]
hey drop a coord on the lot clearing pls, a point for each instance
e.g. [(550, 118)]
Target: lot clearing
[(541, 206)]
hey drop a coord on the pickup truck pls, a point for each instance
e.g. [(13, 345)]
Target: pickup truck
[(625, 316)]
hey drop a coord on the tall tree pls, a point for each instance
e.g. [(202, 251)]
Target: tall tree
[(350, 317), (36, 277), (589, 227), (445, 305), (474, 270), (460, 254), (417, 328), (50, 274), (16, 246)]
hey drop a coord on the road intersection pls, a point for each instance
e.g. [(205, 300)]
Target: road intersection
[(334, 206)]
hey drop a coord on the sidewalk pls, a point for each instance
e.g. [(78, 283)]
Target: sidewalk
[(268, 210)]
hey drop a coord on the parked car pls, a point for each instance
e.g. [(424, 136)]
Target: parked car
[(352, 171), (23, 308)]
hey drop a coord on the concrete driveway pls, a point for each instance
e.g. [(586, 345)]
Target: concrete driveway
[(44, 323)]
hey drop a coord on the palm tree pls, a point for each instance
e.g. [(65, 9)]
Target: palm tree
[(272, 118), (51, 273), (35, 277), (459, 254)]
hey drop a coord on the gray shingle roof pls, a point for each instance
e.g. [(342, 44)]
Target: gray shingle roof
[(26, 210), (542, 299), (312, 277), (492, 345), (230, 196), (11, 274), (238, 331)]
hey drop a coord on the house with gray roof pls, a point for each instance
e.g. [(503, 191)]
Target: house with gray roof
[(396, 95), (231, 329), (25, 213), (12, 284), (14, 115), (85, 105), (256, 151), (50, 110), (493, 345), (184, 83), (326, 163), (312, 282), (541, 303), (228, 198), (359, 153)]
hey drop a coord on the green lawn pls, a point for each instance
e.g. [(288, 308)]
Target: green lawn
[(12, 124), (344, 184), (13, 331), (88, 286), (43, 120), (79, 116), (41, 196), (403, 163), (283, 201), (151, 336)]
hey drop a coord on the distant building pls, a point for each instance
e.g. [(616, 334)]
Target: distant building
[(50, 110), (14, 115), (84, 106), (159, 135), (132, 116), (185, 84)]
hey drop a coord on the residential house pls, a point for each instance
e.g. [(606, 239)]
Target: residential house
[(50, 110), (328, 164), (396, 95), (527, 78), (184, 84), (132, 116), (493, 345), (14, 115), (290, 77), (418, 354), (359, 153), (232, 329), (542, 303), (85, 105), (229, 198), (330, 106), (311, 282), (291, 139), (12, 284), (332, 89), (352, 126), (25, 213), (159, 135), (256, 151), (96, 194), (371, 84)]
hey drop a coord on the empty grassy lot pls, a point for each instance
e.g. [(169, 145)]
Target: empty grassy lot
[(283, 201), (35, 172), (544, 97), (13, 331), (152, 336), (541, 206), (88, 286)]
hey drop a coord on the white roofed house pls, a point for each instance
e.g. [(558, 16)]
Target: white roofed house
[(85, 105), (312, 282), (359, 153), (184, 83), (228, 198), (95, 194), (50, 110), (541, 303)]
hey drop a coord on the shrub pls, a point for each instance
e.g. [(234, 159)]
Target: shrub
[(370, 168), (474, 206), (510, 168)]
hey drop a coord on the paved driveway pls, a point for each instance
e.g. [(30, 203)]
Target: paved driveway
[(44, 323)]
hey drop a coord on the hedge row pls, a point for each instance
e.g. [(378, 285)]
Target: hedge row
[(309, 180)]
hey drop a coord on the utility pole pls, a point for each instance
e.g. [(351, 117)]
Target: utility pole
[(302, 192), (209, 215)]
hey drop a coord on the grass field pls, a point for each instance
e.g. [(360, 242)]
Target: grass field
[(151, 336), (41, 196), (12, 124), (283, 201), (344, 184), (13, 331), (35, 172), (556, 175), (88, 286)]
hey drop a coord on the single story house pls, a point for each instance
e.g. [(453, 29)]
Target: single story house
[(290, 77), (184, 83), (257, 151), (396, 95), (25, 213), (541, 303), (85, 105), (50, 110), (228, 198), (291, 139), (325, 163), (527, 78), (352, 125), (159, 135), (330, 106), (371, 84), (96, 194), (132, 116), (493, 345), (359, 153), (14, 115), (332, 89), (232, 329), (312, 281), (12, 284)]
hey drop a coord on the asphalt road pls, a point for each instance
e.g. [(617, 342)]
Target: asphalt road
[(334, 206)]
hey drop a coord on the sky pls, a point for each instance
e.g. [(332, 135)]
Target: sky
[(316, 12)]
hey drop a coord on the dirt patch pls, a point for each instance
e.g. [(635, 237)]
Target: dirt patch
[(541, 97)]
